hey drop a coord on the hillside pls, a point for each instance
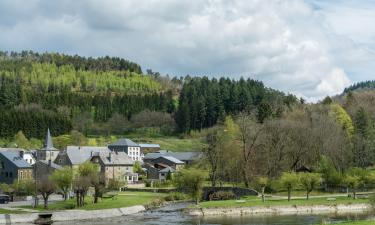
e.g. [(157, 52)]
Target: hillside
[(365, 85), (112, 96)]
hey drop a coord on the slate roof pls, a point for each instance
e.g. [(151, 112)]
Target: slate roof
[(48, 144), (53, 165), (14, 157), (183, 156), (171, 159), (124, 142), (149, 145), (166, 170), (80, 154), (120, 158)]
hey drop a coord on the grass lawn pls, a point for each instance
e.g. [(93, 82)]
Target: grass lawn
[(124, 199), (360, 222), (7, 211), (255, 201)]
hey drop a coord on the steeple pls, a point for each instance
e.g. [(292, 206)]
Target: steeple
[(48, 145)]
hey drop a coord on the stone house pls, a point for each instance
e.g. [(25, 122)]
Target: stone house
[(115, 165), (132, 149), (74, 156), (14, 167)]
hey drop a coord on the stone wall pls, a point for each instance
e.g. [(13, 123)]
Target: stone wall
[(239, 192)]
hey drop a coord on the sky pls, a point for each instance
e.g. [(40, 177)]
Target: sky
[(311, 48)]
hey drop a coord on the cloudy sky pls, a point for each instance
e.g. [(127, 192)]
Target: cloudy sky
[(311, 48)]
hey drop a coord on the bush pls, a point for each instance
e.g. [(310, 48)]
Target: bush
[(155, 203), (148, 183), (222, 195), (70, 206), (372, 200), (176, 196)]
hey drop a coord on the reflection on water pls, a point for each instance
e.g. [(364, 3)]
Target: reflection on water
[(172, 216)]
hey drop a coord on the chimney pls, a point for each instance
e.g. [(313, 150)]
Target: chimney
[(21, 154)]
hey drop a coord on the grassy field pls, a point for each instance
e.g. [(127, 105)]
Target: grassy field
[(255, 201), (6, 211), (361, 222), (124, 199)]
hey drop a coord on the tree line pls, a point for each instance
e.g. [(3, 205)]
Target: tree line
[(332, 138), (203, 101)]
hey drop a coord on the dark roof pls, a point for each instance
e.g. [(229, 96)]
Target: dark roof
[(183, 156), (149, 145), (53, 165), (124, 142), (80, 154), (112, 158), (14, 157), (171, 159), (48, 144)]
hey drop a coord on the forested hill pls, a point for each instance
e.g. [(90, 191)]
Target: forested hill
[(365, 85), (110, 95)]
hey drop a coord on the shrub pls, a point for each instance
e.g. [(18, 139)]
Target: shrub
[(222, 195), (372, 200), (155, 203), (70, 206), (148, 183)]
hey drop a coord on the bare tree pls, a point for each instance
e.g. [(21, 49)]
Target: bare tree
[(46, 187)]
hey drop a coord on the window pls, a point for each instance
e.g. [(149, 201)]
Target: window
[(10, 174), (2, 165), (21, 174), (6, 174)]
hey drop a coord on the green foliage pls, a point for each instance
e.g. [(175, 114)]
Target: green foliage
[(309, 181), (23, 187), (343, 118), (88, 169), (329, 173), (192, 180), (290, 181), (137, 168), (115, 184), (63, 178)]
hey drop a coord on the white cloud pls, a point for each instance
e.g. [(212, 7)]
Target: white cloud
[(290, 45)]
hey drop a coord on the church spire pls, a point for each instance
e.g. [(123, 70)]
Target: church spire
[(48, 144)]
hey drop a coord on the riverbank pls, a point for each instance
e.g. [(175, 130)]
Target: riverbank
[(280, 210), (72, 215)]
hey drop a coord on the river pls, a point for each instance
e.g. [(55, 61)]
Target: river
[(172, 215)]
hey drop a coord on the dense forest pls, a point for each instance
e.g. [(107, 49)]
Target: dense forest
[(370, 84), (110, 95)]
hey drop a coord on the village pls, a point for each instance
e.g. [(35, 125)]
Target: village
[(129, 163)]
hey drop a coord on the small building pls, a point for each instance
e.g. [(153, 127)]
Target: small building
[(132, 149), (28, 156), (168, 161), (164, 173), (187, 157), (115, 165), (14, 167), (48, 152), (43, 168), (148, 148)]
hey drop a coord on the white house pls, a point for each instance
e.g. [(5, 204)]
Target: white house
[(132, 149)]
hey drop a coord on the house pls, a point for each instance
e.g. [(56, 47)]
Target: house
[(74, 156), (14, 167), (132, 149), (186, 157), (48, 152), (168, 161), (147, 148), (28, 156), (164, 173), (43, 168), (115, 165), (160, 167)]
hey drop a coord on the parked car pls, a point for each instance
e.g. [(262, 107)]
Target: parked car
[(4, 199)]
